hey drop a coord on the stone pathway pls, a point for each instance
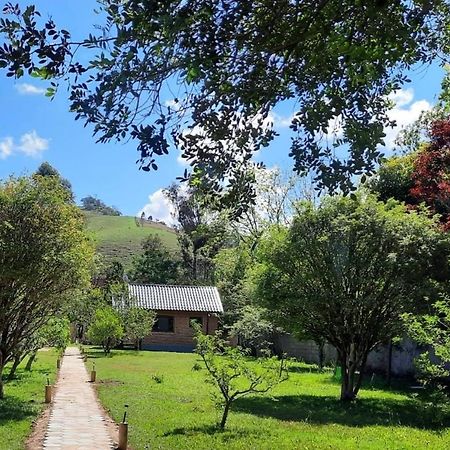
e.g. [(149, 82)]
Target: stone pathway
[(76, 421)]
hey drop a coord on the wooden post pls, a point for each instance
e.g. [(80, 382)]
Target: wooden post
[(48, 393), (123, 436), (58, 363), (93, 376)]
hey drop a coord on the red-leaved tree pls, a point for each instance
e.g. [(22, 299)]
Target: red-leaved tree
[(431, 175)]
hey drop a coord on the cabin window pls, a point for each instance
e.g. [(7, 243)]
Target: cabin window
[(163, 324)]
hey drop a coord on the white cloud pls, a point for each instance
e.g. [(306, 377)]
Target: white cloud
[(159, 207), (32, 144), (405, 112), (6, 147), (279, 121), (29, 89)]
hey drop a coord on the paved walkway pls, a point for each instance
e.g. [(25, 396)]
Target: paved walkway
[(76, 421)]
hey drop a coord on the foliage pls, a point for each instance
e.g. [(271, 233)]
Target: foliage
[(432, 330), (253, 329), (90, 203), (47, 170), (138, 323), (82, 309), (201, 233), (233, 62), (345, 272), (230, 372), (45, 256), (106, 328), (156, 264), (276, 194), (56, 333), (431, 175), (394, 178), (231, 265), (302, 412)]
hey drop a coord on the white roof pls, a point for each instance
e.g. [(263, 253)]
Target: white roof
[(162, 297)]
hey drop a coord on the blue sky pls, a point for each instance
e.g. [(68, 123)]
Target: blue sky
[(34, 129)]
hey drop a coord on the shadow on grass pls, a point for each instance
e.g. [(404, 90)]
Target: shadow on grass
[(227, 433), (99, 353), (363, 412), (11, 408)]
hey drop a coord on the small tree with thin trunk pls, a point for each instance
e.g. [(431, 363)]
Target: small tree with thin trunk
[(106, 329), (346, 271), (138, 323), (233, 374)]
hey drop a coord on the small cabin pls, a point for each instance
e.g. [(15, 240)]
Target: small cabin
[(176, 308)]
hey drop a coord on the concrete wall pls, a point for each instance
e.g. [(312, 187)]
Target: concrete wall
[(181, 339), (403, 355)]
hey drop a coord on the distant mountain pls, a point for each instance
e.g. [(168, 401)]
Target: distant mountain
[(119, 237)]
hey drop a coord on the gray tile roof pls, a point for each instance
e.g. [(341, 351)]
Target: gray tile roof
[(161, 297)]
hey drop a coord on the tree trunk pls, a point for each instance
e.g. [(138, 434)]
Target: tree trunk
[(321, 346), (347, 391), (226, 410), (16, 363), (1, 373), (30, 361), (351, 382)]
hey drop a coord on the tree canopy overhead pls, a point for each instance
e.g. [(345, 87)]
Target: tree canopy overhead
[(205, 74)]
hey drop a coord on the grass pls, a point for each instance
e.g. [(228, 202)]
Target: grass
[(118, 237), (301, 413), (24, 400)]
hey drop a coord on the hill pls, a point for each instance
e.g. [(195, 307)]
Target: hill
[(119, 237)]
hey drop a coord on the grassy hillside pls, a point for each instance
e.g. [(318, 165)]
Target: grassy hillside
[(119, 238)]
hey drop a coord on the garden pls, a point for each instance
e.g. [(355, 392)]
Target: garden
[(347, 251), (171, 406)]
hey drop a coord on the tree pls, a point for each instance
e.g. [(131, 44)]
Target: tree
[(55, 333), (276, 194), (234, 376), (106, 329), (336, 61), (201, 232), (90, 203), (394, 179), (432, 330), (155, 265), (82, 309), (47, 170), (231, 266), (253, 329), (45, 255), (138, 323), (421, 177), (346, 271), (431, 172)]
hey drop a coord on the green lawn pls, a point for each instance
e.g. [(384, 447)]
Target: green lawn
[(301, 413), (24, 400), (118, 237)]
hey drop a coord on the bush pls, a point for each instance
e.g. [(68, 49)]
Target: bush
[(106, 329)]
